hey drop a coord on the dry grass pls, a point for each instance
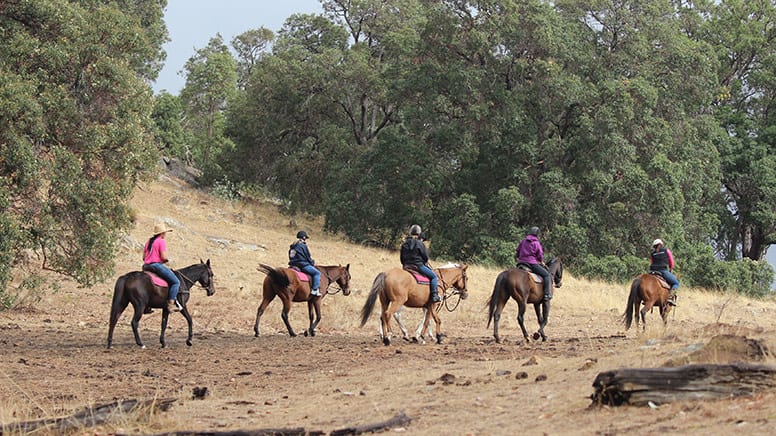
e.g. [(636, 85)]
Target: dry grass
[(236, 237)]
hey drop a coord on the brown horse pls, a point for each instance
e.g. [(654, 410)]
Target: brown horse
[(285, 284), (525, 288), (398, 287), (647, 289), (137, 288)]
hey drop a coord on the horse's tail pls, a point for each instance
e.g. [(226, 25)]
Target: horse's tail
[(632, 307), (493, 301), (377, 286), (278, 278)]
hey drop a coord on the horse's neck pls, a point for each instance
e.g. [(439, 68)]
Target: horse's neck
[(188, 276), (449, 275)]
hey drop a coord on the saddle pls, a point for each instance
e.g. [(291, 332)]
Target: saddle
[(663, 283), (155, 279), (419, 278), (302, 276), (536, 277)]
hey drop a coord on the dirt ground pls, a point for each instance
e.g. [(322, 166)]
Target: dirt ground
[(54, 361)]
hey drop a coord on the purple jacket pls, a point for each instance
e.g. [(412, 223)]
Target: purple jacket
[(530, 251)]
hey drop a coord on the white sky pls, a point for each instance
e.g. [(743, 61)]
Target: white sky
[(191, 24)]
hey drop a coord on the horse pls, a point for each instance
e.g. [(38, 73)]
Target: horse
[(137, 288), (398, 287), (526, 288), (286, 285), (647, 289)]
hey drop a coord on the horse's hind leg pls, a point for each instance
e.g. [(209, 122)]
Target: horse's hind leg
[(521, 318), (259, 312), (115, 313), (136, 322), (497, 316), (397, 316), (284, 315)]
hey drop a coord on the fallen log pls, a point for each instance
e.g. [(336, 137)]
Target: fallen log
[(89, 417), (399, 420), (642, 386)]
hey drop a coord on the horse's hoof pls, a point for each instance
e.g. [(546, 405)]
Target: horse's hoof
[(386, 341), (536, 336), (142, 347), (312, 332), (188, 342)]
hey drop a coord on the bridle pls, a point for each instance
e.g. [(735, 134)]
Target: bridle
[(456, 291), (333, 281), (190, 283)]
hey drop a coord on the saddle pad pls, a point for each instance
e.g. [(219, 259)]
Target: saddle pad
[(302, 276), (663, 282), (420, 278), (158, 281), (536, 277)]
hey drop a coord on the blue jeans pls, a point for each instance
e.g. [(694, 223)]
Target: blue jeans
[(670, 278), (315, 276), (428, 272), (168, 276)]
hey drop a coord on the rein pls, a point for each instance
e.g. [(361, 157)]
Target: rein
[(189, 283), (446, 298), (337, 288)]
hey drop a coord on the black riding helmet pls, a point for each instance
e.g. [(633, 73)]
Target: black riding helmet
[(302, 235), (533, 231)]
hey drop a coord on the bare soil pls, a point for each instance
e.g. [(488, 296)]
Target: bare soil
[(54, 359)]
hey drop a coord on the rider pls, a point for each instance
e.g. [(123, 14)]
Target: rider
[(529, 251), (662, 260), (299, 256), (154, 258), (414, 254)]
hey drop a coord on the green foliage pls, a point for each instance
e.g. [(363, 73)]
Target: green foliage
[(610, 268), (75, 132), (168, 119)]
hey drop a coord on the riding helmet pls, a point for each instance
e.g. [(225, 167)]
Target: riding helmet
[(415, 230), (533, 231), (302, 235), (657, 242)]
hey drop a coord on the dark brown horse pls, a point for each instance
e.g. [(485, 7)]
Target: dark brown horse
[(647, 289), (398, 287), (285, 284), (525, 288), (137, 288)]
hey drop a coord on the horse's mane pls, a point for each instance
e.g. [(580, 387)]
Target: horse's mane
[(450, 265)]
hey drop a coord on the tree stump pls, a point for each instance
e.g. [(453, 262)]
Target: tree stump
[(641, 386)]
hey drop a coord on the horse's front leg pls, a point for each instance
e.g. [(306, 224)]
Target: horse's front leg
[(187, 315), (437, 321), (165, 317), (313, 308), (542, 315), (135, 323)]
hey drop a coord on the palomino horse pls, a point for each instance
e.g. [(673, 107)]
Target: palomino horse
[(525, 288), (398, 287), (286, 285), (138, 288), (650, 290)]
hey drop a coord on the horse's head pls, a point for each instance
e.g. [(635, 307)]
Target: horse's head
[(555, 267), (454, 276), (206, 278), (343, 278)]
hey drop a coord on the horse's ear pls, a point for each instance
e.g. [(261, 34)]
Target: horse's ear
[(208, 262), (201, 261), (347, 268)]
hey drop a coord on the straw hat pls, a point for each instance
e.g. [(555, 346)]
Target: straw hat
[(161, 228)]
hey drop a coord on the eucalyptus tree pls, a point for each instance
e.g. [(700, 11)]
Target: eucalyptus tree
[(75, 133)]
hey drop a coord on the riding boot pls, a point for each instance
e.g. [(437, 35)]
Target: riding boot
[(315, 292), (435, 298), (172, 307), (148, 309), (547, 294), (672, 297)]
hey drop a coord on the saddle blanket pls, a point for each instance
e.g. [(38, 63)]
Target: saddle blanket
[(659, 277), (301, 276), (419, 278), (158, 281), (536, 277)]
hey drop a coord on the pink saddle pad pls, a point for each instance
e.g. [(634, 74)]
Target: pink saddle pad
[(302, 276), (420, 278), (158, 281)]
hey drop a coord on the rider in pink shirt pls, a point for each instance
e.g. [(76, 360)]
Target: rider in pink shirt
[(154, 258)]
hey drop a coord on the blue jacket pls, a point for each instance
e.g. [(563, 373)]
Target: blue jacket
[(299, 255)]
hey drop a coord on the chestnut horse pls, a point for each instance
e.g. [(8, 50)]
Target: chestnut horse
[(398, 287), (525, 288), (137, 288), (286, 285), (647, 289)]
